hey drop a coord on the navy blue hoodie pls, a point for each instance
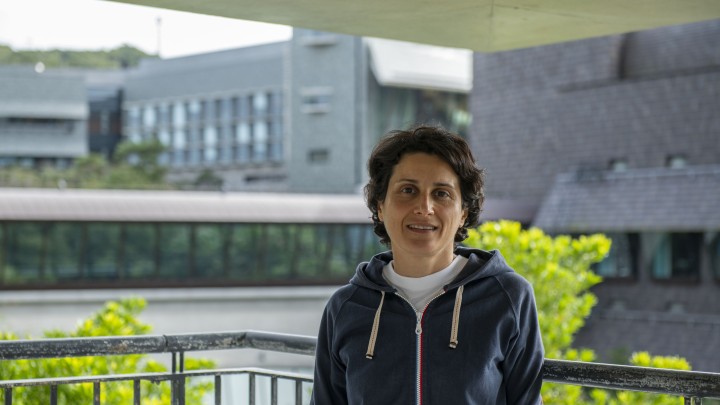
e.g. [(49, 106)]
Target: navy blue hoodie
[(477, 343)]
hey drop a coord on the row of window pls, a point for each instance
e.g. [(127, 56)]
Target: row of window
[(240, 134), (61, 254), (667, 256), (181, 114), (234, 155)]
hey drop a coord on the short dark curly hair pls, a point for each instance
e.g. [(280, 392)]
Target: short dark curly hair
[(432, 140)]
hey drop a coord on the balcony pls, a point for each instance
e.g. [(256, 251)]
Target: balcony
[(692, 386)]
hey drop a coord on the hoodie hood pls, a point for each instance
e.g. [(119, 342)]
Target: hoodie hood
[(481, 264)]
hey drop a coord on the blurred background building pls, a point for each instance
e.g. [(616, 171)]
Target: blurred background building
[(619, 135)]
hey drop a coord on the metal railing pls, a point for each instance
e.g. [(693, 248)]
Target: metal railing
[(693, 386)]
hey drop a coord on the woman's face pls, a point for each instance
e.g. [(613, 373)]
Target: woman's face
[(422, 210)]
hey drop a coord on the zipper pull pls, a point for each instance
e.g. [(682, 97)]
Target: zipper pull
[(418, 327)]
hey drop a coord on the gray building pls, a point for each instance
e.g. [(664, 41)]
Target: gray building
[(619, 135), (221, 111), (43, 116), (298, 116)]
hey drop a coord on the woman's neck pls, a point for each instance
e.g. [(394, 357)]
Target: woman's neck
[(420, 266)]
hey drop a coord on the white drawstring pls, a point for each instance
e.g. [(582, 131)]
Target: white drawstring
[(456, 318), (376, 324)]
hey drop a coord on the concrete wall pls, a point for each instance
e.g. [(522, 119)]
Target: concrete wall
[(294, 310), (330, 66)]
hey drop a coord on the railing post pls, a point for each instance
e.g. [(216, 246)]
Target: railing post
[(96, 393), (8, 396), (218, 390), (298, 392), (273, 390), (251, 388), (53, 394), (136, 392)]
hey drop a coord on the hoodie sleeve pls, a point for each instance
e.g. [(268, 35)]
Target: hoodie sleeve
[(329, 380), (523, 363)]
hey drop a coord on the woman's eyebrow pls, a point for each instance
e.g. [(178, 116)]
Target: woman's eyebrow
[(436, 184)]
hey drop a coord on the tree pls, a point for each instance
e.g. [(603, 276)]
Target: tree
[(116, 318), (134, 166), (559, 268), (124, 56)]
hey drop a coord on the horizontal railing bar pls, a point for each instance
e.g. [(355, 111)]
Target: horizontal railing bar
[(154, 377), (124, 345), (673, 382), (632, 378), (79, 347)]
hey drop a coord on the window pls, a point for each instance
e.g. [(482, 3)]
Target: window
[(618, 165), (715, 255), (179, 141), (673, 255), (178, 116), (219, 109), (64, 250), (148, 117), (104, 122), (101, 253), (210, 250), (676, 161), (139, 250), (622, 258), (23, 252), (174, 251), (260, 141), (315, 100), (260, 103), (164, 137), (318, 156)]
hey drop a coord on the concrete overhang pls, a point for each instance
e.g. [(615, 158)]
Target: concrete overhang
[(480, 25)]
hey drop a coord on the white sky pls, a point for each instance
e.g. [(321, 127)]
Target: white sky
[(95, 24)]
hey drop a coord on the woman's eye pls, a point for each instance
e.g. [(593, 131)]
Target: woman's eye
[(406, 190), (442, 194)]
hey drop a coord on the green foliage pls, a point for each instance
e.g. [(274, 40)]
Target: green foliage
[(121, 57), (116, 318), (559, 268), (134, 166)]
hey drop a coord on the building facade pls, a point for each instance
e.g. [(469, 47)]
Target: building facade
[(619, 135), (43, 117), (296, 116)]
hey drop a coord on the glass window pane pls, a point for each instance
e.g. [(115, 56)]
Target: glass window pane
[(101, 250), (275, 254), (23, 252), (674, 255), (620, 261), (243, 252), (65, 250), (686, 254), (174, 251), (209, 250), (139, 252)]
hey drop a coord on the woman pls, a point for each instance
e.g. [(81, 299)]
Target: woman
[(428, 322)]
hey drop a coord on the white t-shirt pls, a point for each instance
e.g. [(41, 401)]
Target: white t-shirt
[(420, 290)]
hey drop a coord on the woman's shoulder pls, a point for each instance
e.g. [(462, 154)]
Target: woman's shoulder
[(340, 297)]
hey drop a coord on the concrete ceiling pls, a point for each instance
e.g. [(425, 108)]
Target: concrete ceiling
[(480, 25)]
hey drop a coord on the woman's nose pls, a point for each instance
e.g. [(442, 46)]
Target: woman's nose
[(425, 206)]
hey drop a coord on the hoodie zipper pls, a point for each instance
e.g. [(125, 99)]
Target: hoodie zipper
[(418, 342)]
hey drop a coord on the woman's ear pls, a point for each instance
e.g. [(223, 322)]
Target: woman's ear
[(379, 211)]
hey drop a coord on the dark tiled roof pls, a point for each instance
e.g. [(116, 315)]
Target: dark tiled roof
[(640, 199)]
